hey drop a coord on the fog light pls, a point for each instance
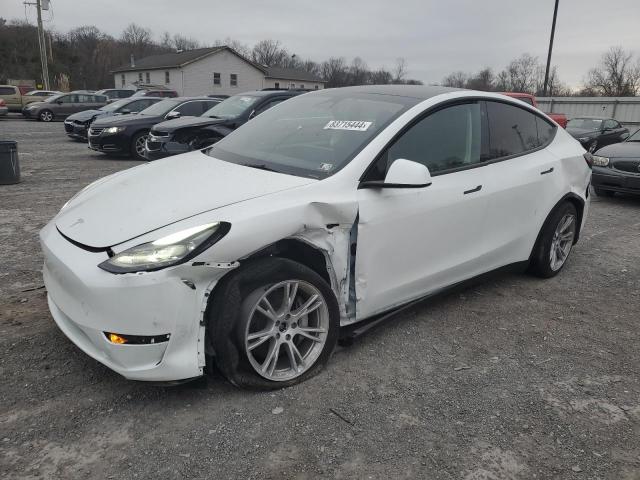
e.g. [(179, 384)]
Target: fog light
[(115, 338), (121, 339)]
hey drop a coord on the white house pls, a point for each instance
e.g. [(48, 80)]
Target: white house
[(205, 71)]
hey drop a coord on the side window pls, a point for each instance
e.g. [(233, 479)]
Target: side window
[(546, 131), (233, 80), (7, 91), (268, 105), (148, 77), (207, 104), (512, 130), (446, 139), (276, 85), (193, 109), (122, 79), (70, 99), (610, 124), (134, 106), (140, 77), (216, 79)]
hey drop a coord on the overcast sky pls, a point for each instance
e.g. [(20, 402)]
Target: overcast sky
[(436, 37)]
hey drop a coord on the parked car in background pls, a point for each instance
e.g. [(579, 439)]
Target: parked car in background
[(116, 93), (3, 108), (156, 93), (37, 96), (127, 134), (187, 133), (15, 100), (596, 132), (616, 167), (61, 106), (559, 118), (327, 210), (77, 125)]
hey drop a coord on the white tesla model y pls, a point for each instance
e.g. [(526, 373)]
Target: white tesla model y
[(326, 210)]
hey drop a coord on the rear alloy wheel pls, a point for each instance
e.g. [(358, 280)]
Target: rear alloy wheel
[(46, 115), (272, 323), (138, 145), (555, 241)]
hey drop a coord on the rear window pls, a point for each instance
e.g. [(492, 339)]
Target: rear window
[(7, 91)]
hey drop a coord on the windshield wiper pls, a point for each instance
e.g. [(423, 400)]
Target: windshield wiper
[(259, 166)]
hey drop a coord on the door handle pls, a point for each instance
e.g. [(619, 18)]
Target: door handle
[(547, 171), (473, 190)]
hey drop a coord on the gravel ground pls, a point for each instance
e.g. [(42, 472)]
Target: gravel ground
[(514, 378)]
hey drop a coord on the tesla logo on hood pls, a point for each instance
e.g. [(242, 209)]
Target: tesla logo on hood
[(79, 221)]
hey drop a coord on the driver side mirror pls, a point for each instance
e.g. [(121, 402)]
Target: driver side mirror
[(59, 102), (172, 115), (402, 174), (124, 111)]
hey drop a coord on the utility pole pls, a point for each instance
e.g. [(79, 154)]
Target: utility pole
[(553, 31), (42, 42)]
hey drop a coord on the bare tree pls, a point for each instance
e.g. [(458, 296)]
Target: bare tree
[(616, 75), (483, 80), (522, 73), (455, 79), (400, 70), (181, 42), (334, 72), (382, 77), (269, 53), (358, 72)]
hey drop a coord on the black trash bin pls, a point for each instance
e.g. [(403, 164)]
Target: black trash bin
[(9, 164)]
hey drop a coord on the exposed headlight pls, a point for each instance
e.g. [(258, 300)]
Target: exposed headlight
[(167, 251), (599, 161), (114, 129)]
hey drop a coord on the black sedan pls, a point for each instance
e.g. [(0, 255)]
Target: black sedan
[(127, 134), (596, 132), (77, 125), (616, 168), (186, 134)]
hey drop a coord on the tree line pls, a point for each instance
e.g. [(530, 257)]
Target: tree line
[(617, 74), (83, 58)]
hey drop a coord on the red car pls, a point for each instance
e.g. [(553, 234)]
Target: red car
[(559, 118)]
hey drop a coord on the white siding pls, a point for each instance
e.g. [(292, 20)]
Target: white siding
[(198, 76), (157, 77), (284, 83)]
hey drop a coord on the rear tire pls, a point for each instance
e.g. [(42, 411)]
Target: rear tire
[(555, 241), (138, 145), (245, 331), (602, 192), (45, 116)]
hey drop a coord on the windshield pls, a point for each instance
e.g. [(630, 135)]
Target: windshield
[(53, 99), (232, 107), (113, 106), (585, 123), (635, 137), (313, 135), (161, 108)]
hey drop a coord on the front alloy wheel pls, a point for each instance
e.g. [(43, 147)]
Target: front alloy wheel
[(271, 323), (287, 329), (46, 115)]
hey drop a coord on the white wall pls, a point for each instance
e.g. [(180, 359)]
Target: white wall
[(156, 77), (198, 76), (284, 83)]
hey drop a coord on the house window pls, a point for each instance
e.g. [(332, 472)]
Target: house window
[(233, 80), (167, 78), (216, 79), (302, 85), (122, 80), (277, 84), (140, 77), (148, 75), (292, 85), (316, 87)]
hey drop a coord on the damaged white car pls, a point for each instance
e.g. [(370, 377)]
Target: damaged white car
[(326, 210)]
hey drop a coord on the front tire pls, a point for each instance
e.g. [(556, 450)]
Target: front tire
[(46, 116), (555, 241), (138, 145), (272, 323)]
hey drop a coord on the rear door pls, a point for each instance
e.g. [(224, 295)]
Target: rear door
[(523, 180)]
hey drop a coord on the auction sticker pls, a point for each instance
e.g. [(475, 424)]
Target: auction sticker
[(355, 125)]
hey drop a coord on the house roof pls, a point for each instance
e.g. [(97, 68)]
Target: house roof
[(179, 59), (169, 60), (292, 74)]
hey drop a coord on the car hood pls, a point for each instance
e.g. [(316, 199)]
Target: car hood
[(85, 115), (144, 198), (581, 132), (36, 104), (621, 150), (177, 123), (128, 119)]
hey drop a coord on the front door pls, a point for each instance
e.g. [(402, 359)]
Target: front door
[(415, 241)]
